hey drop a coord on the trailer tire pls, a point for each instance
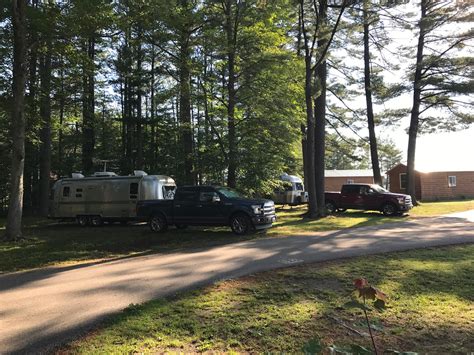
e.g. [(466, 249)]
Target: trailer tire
[(82, 221), (330, 207), (158, 224), (96, 221)]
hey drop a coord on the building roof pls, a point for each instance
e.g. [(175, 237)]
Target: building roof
[(441, 169), (349, 173)]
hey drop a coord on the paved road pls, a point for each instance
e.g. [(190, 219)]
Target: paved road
[(43, 308)]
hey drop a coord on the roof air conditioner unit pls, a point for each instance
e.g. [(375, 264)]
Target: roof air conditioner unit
[(139, 173), (77, 176)]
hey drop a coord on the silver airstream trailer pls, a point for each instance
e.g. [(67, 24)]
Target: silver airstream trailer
[(106, 196), (292, 191)]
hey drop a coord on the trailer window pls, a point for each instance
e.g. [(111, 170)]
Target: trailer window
[(66, 191), (134, 190)]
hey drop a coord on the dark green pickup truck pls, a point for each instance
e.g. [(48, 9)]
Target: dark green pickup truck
[(208, 206)]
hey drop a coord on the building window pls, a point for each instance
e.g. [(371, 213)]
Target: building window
[(403, 181), (452, 181), (350, 181)]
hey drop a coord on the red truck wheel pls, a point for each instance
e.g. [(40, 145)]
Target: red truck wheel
[(389, 209)]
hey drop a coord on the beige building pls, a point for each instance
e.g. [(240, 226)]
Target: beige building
[(334, 179), (434, 185)]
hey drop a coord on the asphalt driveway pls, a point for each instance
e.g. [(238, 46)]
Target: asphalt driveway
[(43, 308)]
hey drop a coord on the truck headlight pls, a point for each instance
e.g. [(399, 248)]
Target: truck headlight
[(257, 209), (401, 200)]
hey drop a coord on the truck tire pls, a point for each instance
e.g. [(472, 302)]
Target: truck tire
[(96, 221), (240, 224), (389, 209), (330, 207), (158, 224), (82, 221)]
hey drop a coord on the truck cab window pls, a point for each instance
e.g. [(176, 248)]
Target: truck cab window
[(186, 195), (208, 196), (66, 191), (350, 189)]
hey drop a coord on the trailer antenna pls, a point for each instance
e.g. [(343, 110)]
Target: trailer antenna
[(104, 161)]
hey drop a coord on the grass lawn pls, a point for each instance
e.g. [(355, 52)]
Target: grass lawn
[(51, 243), (429, 310)]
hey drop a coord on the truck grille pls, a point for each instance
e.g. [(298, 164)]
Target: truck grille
[(268, 209)]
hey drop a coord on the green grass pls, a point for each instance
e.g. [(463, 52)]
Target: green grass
[(440, 208), (430, 310), (51, 243)]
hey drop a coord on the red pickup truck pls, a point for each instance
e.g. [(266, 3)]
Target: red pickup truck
[(367, 197)]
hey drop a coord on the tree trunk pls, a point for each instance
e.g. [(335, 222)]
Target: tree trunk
[(154, 148), (185, 103), (31, 154), (308, 145), (88, 108), (309, 162), (231, 33), (374, 156), (45, 133), (62, 104), (320, 119), (139, 136), (415, 112), (320, 137), (13, 227)]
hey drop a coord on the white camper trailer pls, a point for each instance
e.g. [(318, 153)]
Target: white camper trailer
[(106, 196), (292, 193)]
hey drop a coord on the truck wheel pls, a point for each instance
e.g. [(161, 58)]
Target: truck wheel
[(158, 224), (96, 221), (240, 224), (82, 220), (389, 209), (330, 207)]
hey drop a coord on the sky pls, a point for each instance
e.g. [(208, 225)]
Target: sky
[(453, 151), (439, 151)]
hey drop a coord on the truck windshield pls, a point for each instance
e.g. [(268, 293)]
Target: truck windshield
[(378, 188), (229, 193)]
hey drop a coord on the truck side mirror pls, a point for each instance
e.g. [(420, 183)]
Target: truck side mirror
[(216, 198)]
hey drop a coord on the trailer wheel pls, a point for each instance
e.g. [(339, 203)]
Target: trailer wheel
[(96, 221), (158, 224), (330, 207), (82, 220)]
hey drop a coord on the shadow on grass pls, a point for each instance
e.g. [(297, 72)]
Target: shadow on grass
[(282, 310), (49, 243)]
